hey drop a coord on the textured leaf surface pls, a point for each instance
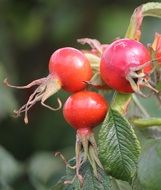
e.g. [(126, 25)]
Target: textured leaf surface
[(118, 146), (102, 182), (59, 185)]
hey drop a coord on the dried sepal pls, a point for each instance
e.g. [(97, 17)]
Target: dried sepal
[(47, 86)]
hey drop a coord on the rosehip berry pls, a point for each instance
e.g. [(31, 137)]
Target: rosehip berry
[(158, 56), (68, 69), (83, 111), (125, 65), (72, 68)]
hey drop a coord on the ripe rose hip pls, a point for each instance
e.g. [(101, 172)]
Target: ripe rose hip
[(158, 56), (71, 67), (84, 110), (68, 69), (125, 65)]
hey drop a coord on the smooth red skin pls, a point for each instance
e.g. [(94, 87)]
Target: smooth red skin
[(71, 67), (85, 110), (158, 56), (158, 50), (118, 59)]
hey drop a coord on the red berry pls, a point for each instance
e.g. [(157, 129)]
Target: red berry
[(158, 56), (123, 59), (158, 48), (68, 69), (85, 109), (71, 67)]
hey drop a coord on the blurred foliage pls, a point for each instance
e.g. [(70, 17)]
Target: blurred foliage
[(150, 177), (10, 169), (29, 32), (41, 171), (7, 100)]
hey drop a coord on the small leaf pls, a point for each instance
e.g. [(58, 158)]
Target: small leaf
[(118, 146), (94, 61), (102, 182), (97, 82), (70, 174)]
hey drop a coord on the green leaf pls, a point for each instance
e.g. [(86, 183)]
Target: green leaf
[(101, 182), (149, 167), (59, 185), (120, 185), (70, 174), (118, 146)]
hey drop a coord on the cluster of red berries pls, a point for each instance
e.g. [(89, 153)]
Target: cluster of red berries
[(125, 66)]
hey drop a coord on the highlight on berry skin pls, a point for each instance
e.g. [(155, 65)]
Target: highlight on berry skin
[(126, 66), (68, 69)]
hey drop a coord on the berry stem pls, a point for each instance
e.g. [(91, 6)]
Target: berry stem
[(120, 102)]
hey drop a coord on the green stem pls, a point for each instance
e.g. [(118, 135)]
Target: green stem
[(149, 122), (148, 9), (120, 102), (133, 31)]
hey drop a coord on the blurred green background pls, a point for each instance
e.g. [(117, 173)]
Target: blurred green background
[(30, 30)]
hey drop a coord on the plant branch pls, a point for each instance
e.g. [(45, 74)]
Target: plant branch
[(148, 9), (120, 102), (149, 122)]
